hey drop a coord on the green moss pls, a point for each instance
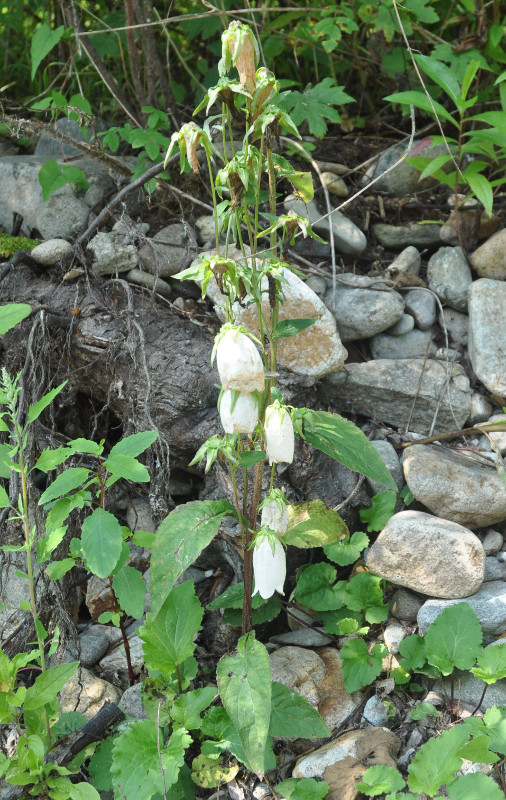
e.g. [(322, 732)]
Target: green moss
[(10, 244)]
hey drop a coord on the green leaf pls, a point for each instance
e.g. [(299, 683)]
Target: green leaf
[(123, 466), (313, 524), (420, 100), (4, 498), (381, 509), (250, 457), (363, 593), (68, 722), (316, 588), (135, 444), (53, 176), (47, 685), (454, 639), (99, 765), (181, 537), (474, 787), (65, 482), (379, 780), (136, 760), (423, 710), (50, 459), (342, 440), (57, 569), (43, 41), (491, 666), (478, 750), (495, 722), (188, 707), (82, 791), (86, 446), (291, 327), (244, 682), (481, 187), (302, 789), (102, 542), (440, 74), (37, 408), (315, 104), (11, 314), (130, 589), (292, 715), (5, 459), (143, 538), (412, 648), (49, 543), (168, 635), (348, 550), (360, 667), (437, 761)]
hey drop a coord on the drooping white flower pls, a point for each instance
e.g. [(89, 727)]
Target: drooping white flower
[(274, 517), (239, 363), (243, 417), (279, 435), (269, 568)]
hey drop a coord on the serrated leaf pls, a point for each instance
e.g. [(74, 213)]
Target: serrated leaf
[(244, 682), (47, 685), (68, 480), (313, 524), (454, 639), (57, 569), (81, 445), (474, 787), (495, 723), (412, 648), (360, 667), (379, 780), (379, 512), (181, 537), (130, 589), (50, 459), (68, 722), (135, 444), (363, 593), (188, 707), (491, 666), (123, 466), (315, 104), (292, 715), (342, 440), (302, 789), (437, 761), (101, 542), (168, 635), (36, 409), (291, 327), (11, 314), (348, 550), (99, 765), (317, 589), (478, 750)]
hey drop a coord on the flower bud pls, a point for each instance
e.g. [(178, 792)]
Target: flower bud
[(274, 517), (269, 567), (241, 417), (279, 435), (239, 363)]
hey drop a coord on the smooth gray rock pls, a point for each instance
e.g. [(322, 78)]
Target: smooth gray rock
[(421, 304), (380, 712), (405, 605), (303, 637), (50, 252), (393, 635), (131, 702), (495, 570), (413, 550), (396, 237), (149, 281), (171, 250), (348, 238), (94, 644), (489, 260), (449, 276), (407, 262), (386, 389), (50, 147), (405, 324), (455, 486), (488, 603), (493, 542), (392, 463), (487, 333), (110, 256), (414, 344), (404, 178), (62, 215), (361, 313), (456, 324)]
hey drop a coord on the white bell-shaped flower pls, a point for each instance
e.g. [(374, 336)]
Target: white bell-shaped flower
[(279, 435), (239, 363), (269, 568), (240, 417), (274, 517)]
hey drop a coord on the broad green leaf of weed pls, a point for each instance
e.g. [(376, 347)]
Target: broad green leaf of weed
[(50, 459), (348, 550), (80, 791), (379, 780), (65, 482), (100, 765), (379, 512), (244, 682), (302, 789), (135, 444), (37, 408), (189, 706), (423, 710), (412, 648), (475, 787), (11, 314), (130, 589), (292, 715), (491, 666), (495, 725), (363, 593), (342, 621), (47, 685), (454, 639), (316, 588), (101, 542), (478, 749), (168, 635), (43, 41), (313, 524), (361, 667), (180, 538), (127, 467), (232, 601), (437, 761)]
